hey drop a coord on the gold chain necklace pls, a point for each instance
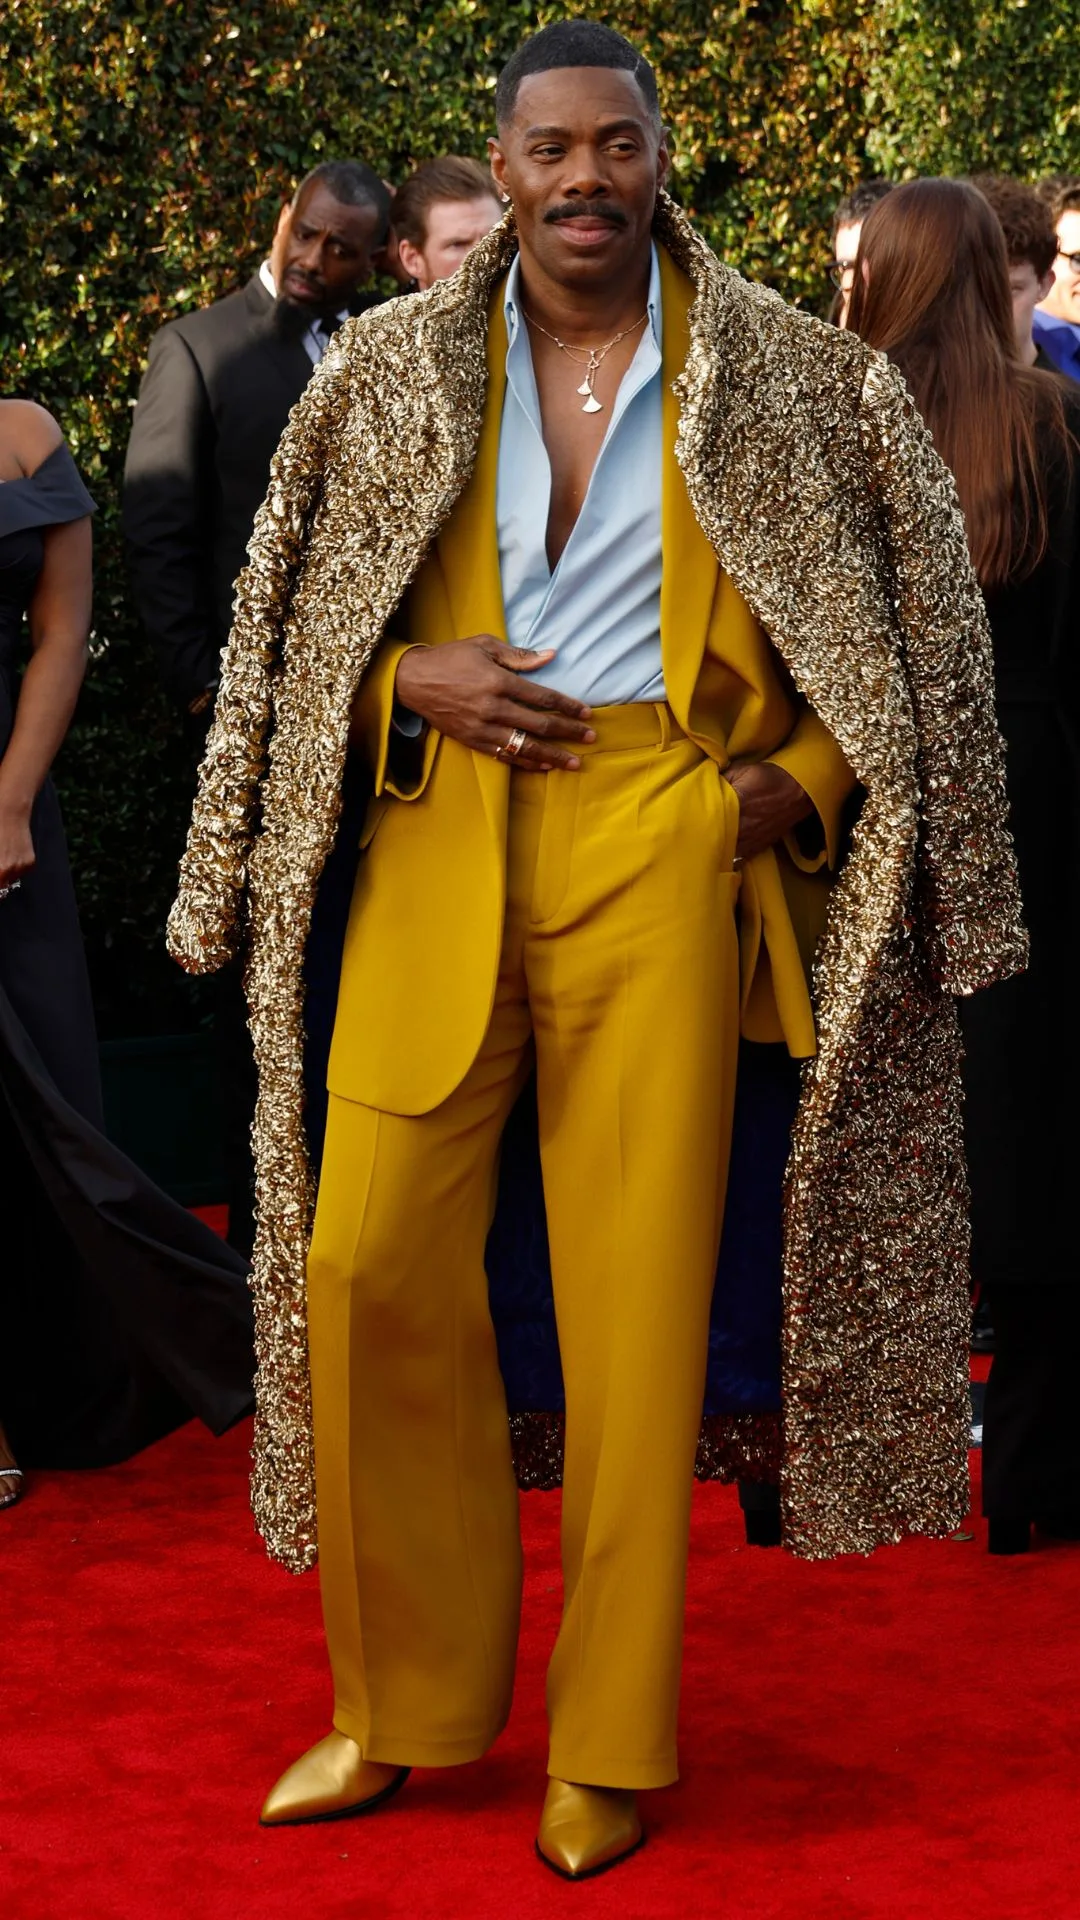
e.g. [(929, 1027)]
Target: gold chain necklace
[(592, 355)]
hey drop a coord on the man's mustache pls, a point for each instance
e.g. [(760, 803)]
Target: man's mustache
[(574, 210)]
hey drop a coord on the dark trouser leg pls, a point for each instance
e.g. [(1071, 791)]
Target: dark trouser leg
[(1031, 1439), (760, 1503)]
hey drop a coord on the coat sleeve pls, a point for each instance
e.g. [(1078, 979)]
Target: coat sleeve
[(205, 928), (967, 891)]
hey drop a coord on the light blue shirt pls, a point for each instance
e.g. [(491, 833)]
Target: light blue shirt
[(1059, 340), (600, 607)]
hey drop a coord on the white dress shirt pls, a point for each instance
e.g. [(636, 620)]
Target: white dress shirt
[(599, 607)]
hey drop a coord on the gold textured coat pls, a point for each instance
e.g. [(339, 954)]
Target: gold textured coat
[(814, 479)]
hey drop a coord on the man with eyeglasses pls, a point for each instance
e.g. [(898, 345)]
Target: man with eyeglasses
[(846, 227), (1056, 325)]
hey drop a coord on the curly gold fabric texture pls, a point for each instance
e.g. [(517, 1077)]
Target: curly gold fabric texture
[(813, 477)]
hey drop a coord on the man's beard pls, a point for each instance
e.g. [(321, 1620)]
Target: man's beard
[(291, 319)]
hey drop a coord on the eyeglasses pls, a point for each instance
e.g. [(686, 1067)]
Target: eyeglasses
[(1072, 260), (839, 271)]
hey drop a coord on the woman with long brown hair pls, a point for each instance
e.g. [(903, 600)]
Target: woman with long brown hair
[(932, 290)]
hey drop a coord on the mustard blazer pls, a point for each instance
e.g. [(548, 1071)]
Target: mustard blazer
[(425, 929)]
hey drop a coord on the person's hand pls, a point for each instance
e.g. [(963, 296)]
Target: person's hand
[(474, 691), (771, 802), (16, 845)]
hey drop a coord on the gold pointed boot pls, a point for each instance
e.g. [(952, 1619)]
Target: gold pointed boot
[(586, 1830), (329, 1782)]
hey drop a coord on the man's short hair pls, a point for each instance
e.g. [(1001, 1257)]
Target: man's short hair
[(1024, 219), (451, 177), (573, 43), (855, 205), (354, 185)]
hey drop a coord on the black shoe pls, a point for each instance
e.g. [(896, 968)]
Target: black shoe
[(763, 1529), (1009, 1536), (760, 1503)]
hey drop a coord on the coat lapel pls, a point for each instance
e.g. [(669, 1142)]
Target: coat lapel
[(468, 545), (743, 438)]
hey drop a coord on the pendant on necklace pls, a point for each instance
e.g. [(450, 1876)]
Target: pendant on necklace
[(592, 404), (595, 357)]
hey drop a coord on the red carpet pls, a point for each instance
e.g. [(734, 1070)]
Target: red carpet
[(890, 1738)]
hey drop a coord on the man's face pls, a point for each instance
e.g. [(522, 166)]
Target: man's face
[(845, 247), (454, 228), (582, 160), (323, 250), (1027, 290), (1064, 297)]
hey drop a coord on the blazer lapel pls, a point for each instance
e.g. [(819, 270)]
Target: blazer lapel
[(690, 566), (468, 545), (468, 550)]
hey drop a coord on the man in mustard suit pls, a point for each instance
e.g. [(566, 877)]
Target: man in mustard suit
[(572, 626), (616, 572)]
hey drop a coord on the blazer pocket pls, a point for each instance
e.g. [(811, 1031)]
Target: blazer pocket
[(376, 807)]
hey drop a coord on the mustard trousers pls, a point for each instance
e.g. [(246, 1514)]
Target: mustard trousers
[(619, 974)]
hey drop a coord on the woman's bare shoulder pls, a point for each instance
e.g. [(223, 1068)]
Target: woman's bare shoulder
[(29, 432)]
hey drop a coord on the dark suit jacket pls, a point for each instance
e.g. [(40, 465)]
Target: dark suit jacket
[(214, 399)]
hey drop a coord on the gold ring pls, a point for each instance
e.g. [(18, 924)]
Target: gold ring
[(515, 743)]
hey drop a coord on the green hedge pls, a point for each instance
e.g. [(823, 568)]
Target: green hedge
[(143, 151)]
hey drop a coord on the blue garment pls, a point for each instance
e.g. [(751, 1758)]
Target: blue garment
[(600, 608), (1059, 340)]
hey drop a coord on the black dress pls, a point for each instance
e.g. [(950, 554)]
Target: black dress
[(1022, 1038), (122, 1314)]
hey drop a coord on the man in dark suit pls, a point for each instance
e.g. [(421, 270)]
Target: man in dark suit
[(214, 399), (216, 394)]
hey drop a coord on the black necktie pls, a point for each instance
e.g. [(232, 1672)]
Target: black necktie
[(325, 329)]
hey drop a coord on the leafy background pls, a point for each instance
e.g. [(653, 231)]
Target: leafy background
[(144, 149)]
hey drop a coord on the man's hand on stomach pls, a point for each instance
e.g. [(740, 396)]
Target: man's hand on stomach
[(475, 691)]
